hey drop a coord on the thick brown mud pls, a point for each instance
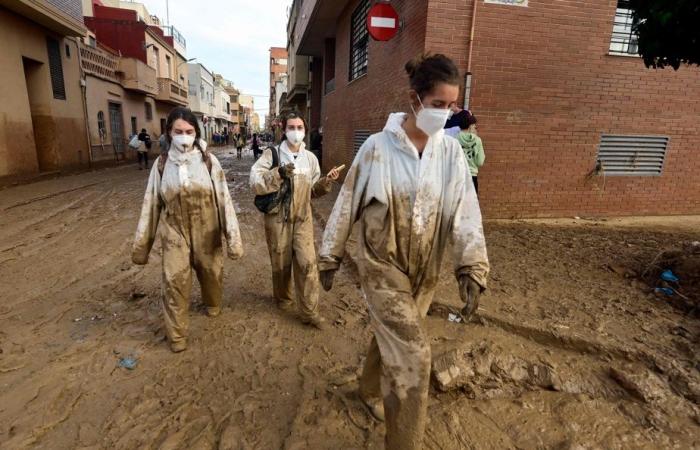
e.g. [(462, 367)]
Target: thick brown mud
[(566, 353)]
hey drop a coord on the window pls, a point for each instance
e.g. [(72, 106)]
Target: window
[(201, 91), (359, 138), (67, 51), (168, 63), (149, 111), (359, 41), (56, 69), (623, 40), (632, 155), (92, 41), (133, 126)]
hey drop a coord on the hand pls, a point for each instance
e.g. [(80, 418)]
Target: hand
[(334, 174), (470, 291), (327, 278), (286, 171)]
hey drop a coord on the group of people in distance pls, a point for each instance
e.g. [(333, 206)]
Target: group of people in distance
[(410, 190)]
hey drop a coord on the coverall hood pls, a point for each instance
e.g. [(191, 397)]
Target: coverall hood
[(394, 127)]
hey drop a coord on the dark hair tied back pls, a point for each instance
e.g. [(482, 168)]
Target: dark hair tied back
[(427, 71)]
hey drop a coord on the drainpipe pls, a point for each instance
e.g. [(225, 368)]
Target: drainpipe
[(83, 90), (468, 77)]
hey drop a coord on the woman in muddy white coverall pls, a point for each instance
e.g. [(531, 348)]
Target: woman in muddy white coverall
[(409, 188), (187, 188), (290, 233)]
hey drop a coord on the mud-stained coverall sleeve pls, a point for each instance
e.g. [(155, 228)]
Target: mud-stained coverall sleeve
[(148, 222), (346, 211), (264, 179), (467, 230), (227, 213), (320, 185)]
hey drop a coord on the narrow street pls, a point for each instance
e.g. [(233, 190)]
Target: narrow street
[(566, 353)]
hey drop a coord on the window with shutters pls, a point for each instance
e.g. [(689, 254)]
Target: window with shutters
[(56, 69), (359, 40), (358, 139), (632, 155), (149, 111), (67, 51)]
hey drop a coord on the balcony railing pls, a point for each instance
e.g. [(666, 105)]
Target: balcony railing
[(170, 92), (138, 76), (99, 63)]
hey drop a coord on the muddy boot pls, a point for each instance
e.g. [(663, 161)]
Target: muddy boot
[(375, 406), (285, 305), (316, 321), (213, 311), (178, 346)]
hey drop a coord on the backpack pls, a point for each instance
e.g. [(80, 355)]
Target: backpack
[(267, 203), (164, 158)]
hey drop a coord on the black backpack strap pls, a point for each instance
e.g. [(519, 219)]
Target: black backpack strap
[(275, 157)]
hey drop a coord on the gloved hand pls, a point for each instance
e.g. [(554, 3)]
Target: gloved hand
[(286, 171), (327, 278), (470, 291)]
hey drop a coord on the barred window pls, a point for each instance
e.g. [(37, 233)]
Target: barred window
[(624, 40), (149, 111), (56, 69), (359, 40)]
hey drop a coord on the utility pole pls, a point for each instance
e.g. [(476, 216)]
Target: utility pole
[(167, 12)]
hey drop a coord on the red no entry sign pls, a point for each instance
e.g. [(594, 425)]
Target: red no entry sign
[(382, 22)]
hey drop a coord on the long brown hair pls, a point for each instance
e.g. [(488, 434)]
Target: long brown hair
[(427, 71)]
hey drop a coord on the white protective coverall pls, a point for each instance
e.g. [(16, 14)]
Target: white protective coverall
[(197, 210), (409, 207), (291, 241)]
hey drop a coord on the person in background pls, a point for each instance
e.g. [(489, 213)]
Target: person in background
[(409, 190), (188, 203), (256, 146), (472, 146), (142, 151), (240, 143)]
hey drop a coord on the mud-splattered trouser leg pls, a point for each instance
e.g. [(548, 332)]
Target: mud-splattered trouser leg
[(405, 355), (291, 247), (279, 244), (177, 284), (208, 257)]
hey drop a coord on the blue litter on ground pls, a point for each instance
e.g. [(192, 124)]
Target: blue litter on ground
[(128, 363), (669, 276), (667, 291)]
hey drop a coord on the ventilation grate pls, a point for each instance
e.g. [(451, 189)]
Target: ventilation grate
[(359, 138), (632, 155)]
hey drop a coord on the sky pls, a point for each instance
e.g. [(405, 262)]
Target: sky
[(231, 37)]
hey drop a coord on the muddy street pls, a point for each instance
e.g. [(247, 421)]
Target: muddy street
[(566, 353)]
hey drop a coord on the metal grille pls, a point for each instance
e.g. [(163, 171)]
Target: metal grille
[(359, 40), (358, 139), (56, 69), (624, 40), (632, 155)]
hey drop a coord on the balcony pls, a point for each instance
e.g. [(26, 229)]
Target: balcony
[(316, 22), (170, 92), (99, 63), (138, 76)]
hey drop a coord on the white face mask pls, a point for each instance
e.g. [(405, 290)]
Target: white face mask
[(295, 137), (431, 120), (183, 142)]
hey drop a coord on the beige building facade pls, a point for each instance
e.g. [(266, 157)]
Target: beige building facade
[(42, 126)]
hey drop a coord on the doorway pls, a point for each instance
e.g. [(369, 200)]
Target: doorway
[(116, 124), (42, 124)]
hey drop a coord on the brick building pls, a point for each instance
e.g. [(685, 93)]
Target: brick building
[(572, 121), (278, 74)]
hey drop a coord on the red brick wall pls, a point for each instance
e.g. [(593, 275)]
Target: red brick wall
[(364, 103), (544, 89)]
